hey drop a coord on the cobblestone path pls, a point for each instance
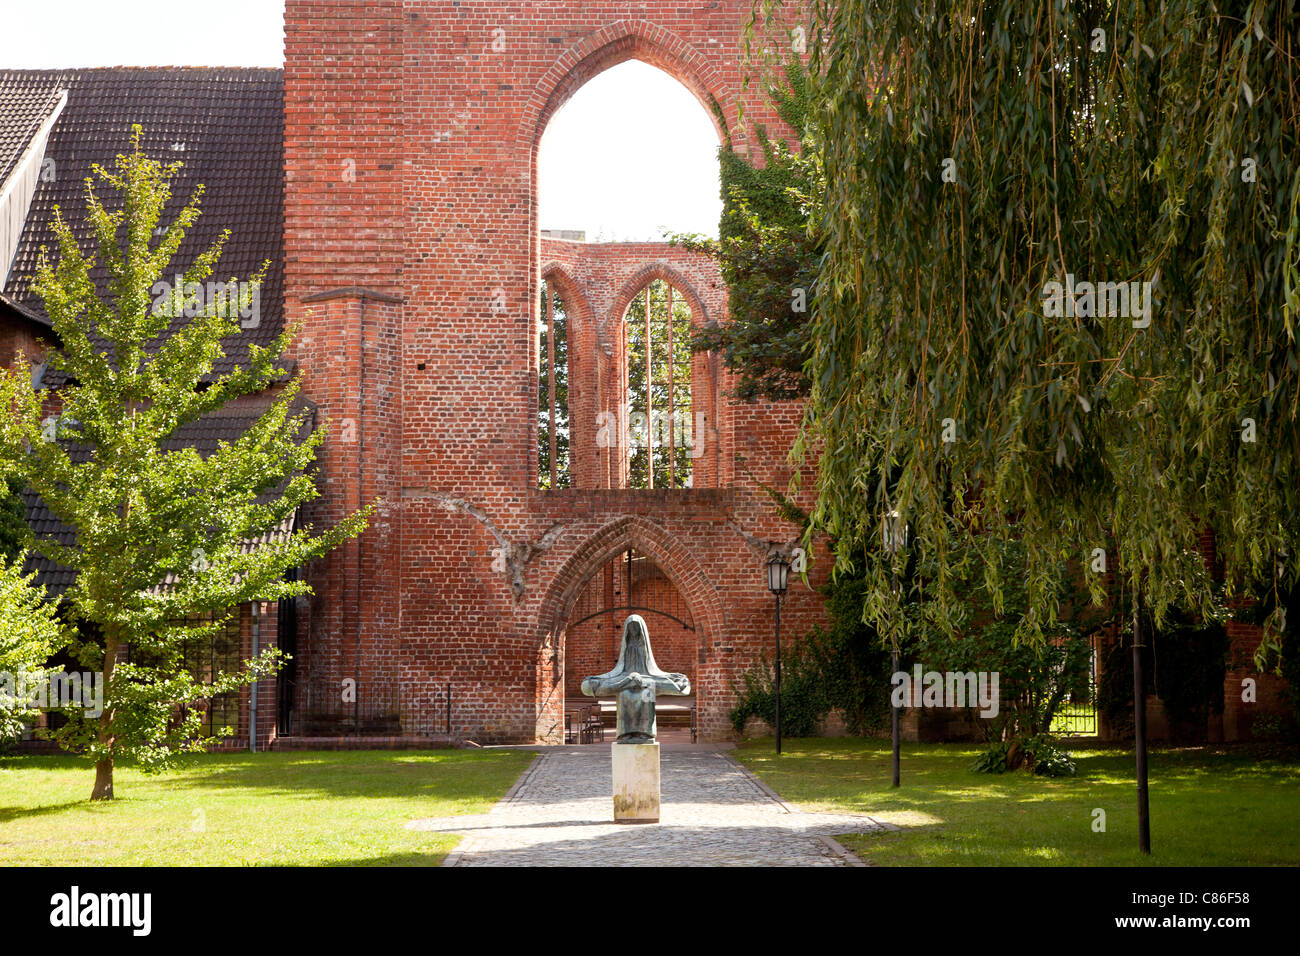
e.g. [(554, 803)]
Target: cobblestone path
[(713, 813)]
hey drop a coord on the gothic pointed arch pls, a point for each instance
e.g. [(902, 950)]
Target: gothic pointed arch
[(616, 43), (669, 552), (647, 274)]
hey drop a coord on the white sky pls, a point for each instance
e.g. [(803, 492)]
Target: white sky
[(46, 34), (631, 155)]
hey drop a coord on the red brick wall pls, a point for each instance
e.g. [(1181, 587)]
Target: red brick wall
[(438, 108), (1270, 690), (18, 336)]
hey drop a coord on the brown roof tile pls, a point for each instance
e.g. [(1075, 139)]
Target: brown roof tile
[(26, 101), (226, 125), (224, 425)]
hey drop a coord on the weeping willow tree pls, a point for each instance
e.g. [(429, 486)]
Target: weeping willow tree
[(989, 166)]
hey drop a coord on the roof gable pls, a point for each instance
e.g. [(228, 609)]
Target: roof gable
[(226, 125)]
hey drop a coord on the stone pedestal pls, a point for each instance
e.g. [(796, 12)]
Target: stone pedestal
[(636, 783)]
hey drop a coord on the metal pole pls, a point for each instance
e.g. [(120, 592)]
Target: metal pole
[(778, 674), (895, 734), (672, 370), (252, 690), (894, 713), (1140, 731)]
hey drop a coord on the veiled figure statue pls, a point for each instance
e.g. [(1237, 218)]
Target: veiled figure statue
[(636, 679)]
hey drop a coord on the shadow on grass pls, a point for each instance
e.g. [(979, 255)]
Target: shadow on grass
[(10, 814), (455, 775), (1209, 805)]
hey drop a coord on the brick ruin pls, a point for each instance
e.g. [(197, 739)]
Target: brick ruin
[(414, 256), (414, 259)]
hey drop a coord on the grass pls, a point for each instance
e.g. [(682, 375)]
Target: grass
[(295, 808), (1209, 806)]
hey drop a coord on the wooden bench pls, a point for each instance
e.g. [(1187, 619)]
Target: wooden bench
[(602, 714), (671, 713), (583, 722)]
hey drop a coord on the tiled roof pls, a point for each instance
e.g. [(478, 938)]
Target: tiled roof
[(224, 425), (11, 309), (225, 125), (26, 101)]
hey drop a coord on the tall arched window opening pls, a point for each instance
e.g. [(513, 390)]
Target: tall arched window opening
[(604, 213), (661, 426), (553, 459)]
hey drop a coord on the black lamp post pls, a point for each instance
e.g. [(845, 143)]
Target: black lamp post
[(778, 578), (893, 534)]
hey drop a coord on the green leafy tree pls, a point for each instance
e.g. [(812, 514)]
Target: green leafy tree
[(168, 542), (29, 634), (1146, 142), (766, 253), (935, 350), (13, 519)]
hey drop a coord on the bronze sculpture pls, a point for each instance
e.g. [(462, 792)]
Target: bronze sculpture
[(636, 679)]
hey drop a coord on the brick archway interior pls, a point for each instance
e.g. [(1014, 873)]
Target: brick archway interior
[(676, 583), (629, 583), (603, 277)]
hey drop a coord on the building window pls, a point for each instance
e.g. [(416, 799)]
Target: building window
[(204, 658), (553, 464), (660, 419)]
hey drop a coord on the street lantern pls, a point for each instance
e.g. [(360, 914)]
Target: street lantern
[(778, 573), (778, 579), (893, 539), (893, 533)]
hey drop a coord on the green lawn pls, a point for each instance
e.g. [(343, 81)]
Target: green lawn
[(1209, 806), (310, 808)]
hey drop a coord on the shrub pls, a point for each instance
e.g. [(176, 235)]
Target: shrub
[(842, 666), (804, 701)]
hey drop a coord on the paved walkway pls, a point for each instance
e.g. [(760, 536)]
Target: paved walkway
[(713, 813)]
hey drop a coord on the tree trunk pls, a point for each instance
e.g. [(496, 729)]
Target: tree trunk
[(103, 780), (104, 769)]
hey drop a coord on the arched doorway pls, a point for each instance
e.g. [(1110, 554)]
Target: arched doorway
[(629, 583), (630, 567)]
